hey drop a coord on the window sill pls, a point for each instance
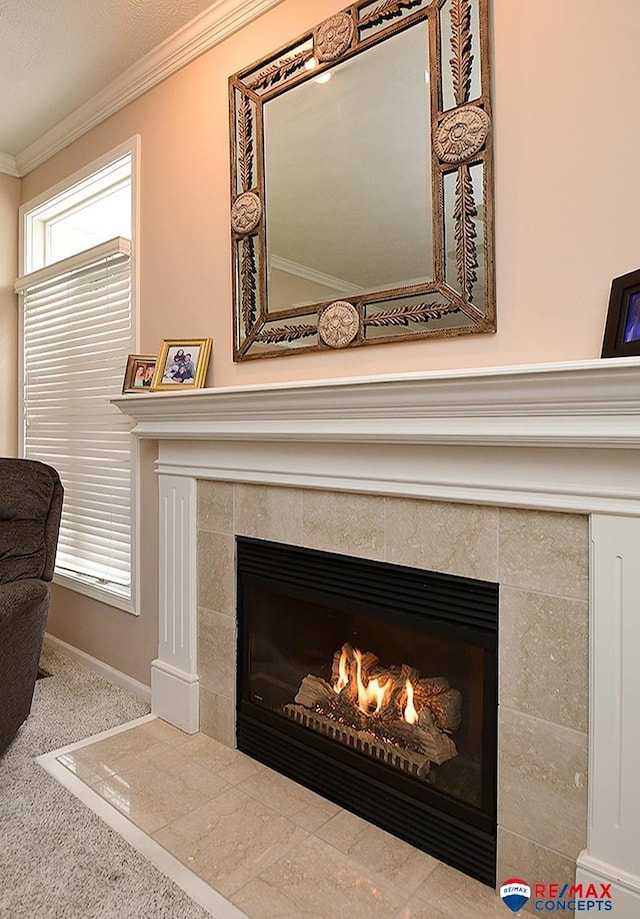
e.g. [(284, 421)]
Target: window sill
[(96, 593)]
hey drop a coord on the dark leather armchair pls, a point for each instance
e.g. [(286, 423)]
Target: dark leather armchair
[(30, 507)]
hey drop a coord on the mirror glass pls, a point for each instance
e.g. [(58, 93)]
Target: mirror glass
[(348, 177), (362, 181)]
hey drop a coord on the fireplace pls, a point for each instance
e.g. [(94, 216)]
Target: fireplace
[(374, 685), (526, 476)]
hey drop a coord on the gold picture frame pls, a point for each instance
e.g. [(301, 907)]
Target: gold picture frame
[(182, 364), (139, 372)]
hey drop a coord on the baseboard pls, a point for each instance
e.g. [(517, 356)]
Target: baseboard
[(176, 696), (96, 666), (625, 886)]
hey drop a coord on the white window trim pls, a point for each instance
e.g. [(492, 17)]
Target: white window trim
[(131, 147)]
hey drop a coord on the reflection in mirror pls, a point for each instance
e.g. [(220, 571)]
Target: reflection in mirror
[(362, 181), (353, 153)]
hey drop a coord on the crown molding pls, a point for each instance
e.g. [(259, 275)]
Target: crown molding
[(220, 21), (310, 274), (8, 165)]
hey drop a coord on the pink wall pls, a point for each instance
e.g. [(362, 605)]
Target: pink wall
[(565, 79), (566, 76)]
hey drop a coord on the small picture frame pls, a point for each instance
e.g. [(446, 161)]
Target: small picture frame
[(182, 364), (622, 330), (139, 373)]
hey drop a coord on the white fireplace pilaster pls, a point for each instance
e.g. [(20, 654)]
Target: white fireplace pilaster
[(174, 679), (613, 848), (556, 437)]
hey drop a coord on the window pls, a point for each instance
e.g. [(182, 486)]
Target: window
[(78, 328)]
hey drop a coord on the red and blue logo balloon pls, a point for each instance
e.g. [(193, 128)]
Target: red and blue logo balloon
[(515, 893)]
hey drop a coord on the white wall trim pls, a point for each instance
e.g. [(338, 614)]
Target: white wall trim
[(176, 695), (138, 689), (221, 20), (8, 165), (626, 887)]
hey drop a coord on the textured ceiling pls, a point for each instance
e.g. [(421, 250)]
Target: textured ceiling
[(57, 54)]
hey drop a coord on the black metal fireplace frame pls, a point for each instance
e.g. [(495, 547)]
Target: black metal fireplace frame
[(463, 608)]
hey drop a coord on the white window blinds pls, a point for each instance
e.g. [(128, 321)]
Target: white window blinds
[(77, 335)]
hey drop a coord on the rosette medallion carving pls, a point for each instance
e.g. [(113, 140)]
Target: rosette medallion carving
[(246, 213), (333, 37), (338, 324), (461, 134)]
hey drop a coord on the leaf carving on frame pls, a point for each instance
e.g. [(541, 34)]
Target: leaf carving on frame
[(245, 143), (465, 233), (419, 312), (280, 70), (248, 284), (387, 10), (461, 47), (285, 333)]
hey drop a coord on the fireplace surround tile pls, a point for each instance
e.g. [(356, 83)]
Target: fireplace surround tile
[(519, 857), (344, 522), (542, 785), (269, 513), (451, 538), (216, 585), (545, 551), (544, 655), (217, 652), (538, 795), (215, 507), (217, 716)]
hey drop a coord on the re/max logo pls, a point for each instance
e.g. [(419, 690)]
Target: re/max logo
[(574, 891)]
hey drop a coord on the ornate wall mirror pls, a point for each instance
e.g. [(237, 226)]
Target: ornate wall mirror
[(362, 181)]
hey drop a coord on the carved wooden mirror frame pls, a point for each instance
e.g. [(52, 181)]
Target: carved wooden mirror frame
[(461, 297)]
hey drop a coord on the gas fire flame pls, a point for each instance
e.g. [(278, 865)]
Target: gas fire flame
[(372, 694), (343, 675), (410, 714)]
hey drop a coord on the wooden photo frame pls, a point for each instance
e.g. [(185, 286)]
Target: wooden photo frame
[(182, 364), (139, 372), (622, 330)]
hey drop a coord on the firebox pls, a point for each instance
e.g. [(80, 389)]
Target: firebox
[(374, 685)]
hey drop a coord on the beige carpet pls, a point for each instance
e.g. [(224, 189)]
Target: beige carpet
[(58, 860)]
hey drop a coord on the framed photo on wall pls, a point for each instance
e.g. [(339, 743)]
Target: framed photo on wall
[(139, 373), (622, 330), (182, 364)]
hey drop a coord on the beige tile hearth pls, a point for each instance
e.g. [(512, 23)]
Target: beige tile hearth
[(298, 804), (272, 848), (448, 894), (230, 839), (391, 858), (319, 881)]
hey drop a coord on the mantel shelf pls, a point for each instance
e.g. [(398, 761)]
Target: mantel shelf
[(589, 403)]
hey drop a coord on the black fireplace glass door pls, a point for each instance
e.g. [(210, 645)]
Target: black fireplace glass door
[(385, 681)]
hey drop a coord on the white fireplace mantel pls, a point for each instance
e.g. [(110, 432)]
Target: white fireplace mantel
[(590, 403), (561, 437)]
